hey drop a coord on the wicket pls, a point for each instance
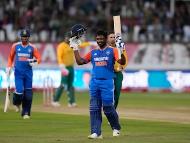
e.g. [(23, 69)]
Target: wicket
[(47, 91)]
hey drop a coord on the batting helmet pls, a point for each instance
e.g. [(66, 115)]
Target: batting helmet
[(78, 30), (25, 33)]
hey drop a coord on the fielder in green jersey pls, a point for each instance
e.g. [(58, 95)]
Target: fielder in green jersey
[(118, 70), (65, 58)]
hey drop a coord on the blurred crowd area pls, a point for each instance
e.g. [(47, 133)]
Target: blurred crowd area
[(142, 20)]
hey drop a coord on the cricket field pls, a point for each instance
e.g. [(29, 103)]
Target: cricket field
[(144, 117)]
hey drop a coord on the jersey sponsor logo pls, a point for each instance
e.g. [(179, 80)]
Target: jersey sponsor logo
[(23, 55), (101, 59), (101, 63), (22, 58)]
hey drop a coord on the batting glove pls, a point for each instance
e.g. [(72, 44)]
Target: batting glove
[(119, 43), (63, 69), (32, 62), (74, 43)]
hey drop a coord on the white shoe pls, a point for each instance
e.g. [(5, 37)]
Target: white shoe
[(69, 105), (17, 108), (72, 105), (56, 104), (26, 117), (95, 136), (116, 133)]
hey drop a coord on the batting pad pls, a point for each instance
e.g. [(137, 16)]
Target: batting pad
[(112, 117), (95, 115)]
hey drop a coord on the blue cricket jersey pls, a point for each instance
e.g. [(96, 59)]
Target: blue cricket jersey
[(21, 54), (103, 62)]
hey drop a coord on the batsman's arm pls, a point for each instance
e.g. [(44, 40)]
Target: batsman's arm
[(37, 55), (11, 56), (79, 59), (74, 44), (10, 60), (122, 60)]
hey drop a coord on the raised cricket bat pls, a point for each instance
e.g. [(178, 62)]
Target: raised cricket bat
[(7, 97), (117, 28), (117, 25)]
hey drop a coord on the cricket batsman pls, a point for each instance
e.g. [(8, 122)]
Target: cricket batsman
[(101, 84), (25, 56), (117, 69)]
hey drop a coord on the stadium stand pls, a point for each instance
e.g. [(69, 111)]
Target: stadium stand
[(142, 20)]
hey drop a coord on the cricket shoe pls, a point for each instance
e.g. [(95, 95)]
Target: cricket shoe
[(17, 108), (116, 133), (95, 136), (26, 117), (55, 104), (72, 105)]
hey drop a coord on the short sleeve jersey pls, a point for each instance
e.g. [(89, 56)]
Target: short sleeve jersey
[(21, 55), (102, 62)]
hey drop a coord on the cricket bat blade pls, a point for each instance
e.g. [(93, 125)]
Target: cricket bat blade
[(7, 100)]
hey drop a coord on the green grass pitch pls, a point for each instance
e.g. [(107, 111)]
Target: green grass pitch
[(64, 128)]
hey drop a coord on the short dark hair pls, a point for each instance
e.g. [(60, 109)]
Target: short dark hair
[(102, 32), (110, 32)]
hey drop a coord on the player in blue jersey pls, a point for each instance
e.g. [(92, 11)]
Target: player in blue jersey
[(101, 84), (24, 55)]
